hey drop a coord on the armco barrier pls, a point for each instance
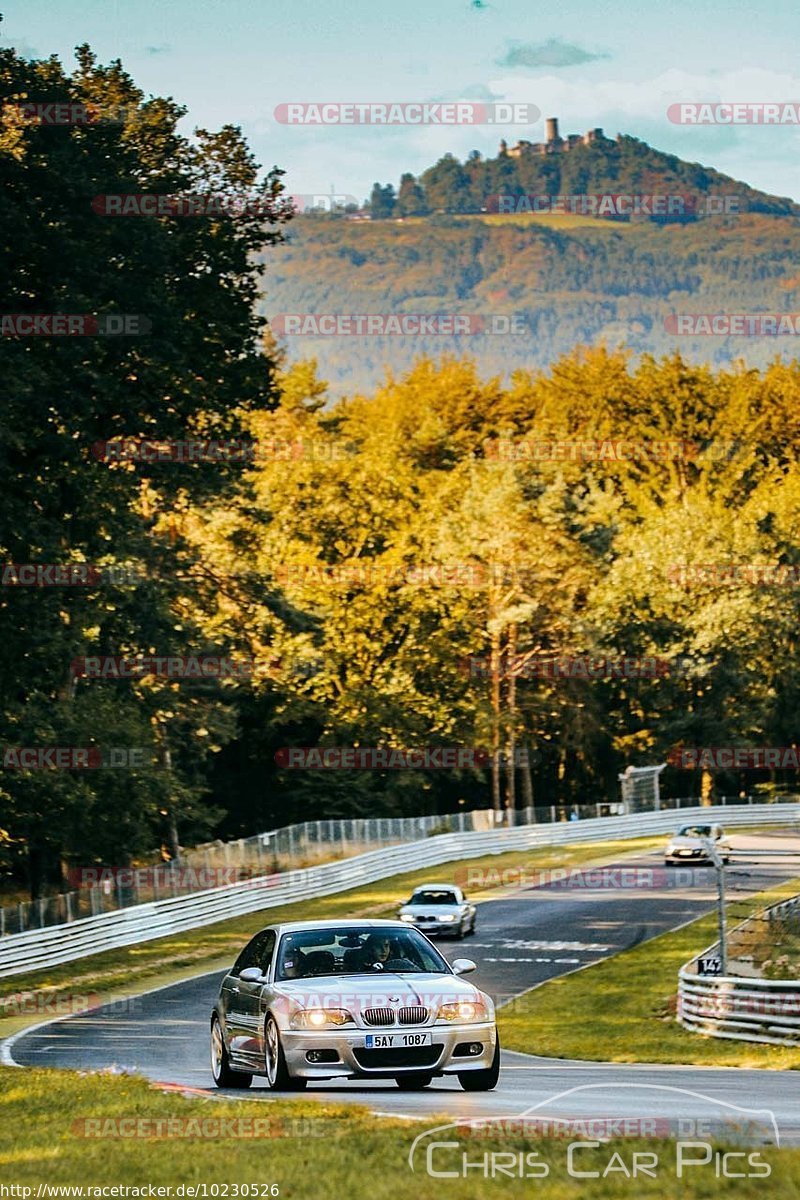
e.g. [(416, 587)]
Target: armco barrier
[(742, 1009), (41, 948)]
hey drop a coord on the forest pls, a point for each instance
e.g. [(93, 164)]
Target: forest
[(392, 569)]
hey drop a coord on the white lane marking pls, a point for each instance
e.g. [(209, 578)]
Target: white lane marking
[(532, 960), (69, 1044), (523, 945)]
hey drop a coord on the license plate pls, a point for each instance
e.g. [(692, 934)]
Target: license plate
[(388, 1041)]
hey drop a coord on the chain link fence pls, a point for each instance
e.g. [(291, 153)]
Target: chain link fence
[(99, 890)]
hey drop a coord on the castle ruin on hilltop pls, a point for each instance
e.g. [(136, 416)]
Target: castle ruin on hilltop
[(554, 144)]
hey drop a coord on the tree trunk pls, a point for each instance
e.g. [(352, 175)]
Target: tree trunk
[(495, 670), (166, 763), (511, 761), (706, 788), (526, 776)]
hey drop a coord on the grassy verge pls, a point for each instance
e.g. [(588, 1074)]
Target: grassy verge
[(60, 1129), (623, 1008), (117, 973)]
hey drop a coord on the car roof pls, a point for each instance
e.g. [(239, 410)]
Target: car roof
[(349, 924), (436, 887)]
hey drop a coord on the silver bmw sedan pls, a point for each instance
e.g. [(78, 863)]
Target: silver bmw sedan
[(351, 1000)]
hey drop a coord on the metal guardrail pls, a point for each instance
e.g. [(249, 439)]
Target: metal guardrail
[(42, 948), (219, 864), (739, 1008)]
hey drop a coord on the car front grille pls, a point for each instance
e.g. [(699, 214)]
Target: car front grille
[(379, 1016), (404, 1056), (415, 1014)]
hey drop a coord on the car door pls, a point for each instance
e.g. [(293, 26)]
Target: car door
[(243, 1007)]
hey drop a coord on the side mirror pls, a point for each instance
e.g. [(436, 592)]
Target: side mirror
[(462, 966), (251, 975)]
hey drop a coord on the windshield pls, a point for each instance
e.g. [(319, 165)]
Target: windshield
[(702, 831), (312, 952), (433, 896)]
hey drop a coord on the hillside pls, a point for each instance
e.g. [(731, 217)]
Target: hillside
[(568, 280), (595, 165)]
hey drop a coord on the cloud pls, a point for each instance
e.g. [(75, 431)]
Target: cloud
[(475, 91), (552, 53), (24, 49)]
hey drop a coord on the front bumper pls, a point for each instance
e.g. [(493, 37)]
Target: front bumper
[(440, 1059), (687, 856), (437, 928)]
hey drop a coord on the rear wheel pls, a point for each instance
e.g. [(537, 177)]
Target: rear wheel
[(277, 1072), (224, 1076), (485, 1080), (412, 1083)]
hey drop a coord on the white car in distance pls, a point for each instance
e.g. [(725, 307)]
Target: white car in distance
[(439, 908), (690, 844)]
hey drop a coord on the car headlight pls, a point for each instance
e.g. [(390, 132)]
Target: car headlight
[(321, 1018), (446, 917), (406, 916), (466, 1011)]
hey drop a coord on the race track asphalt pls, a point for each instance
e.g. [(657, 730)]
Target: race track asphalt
[(525, 936)]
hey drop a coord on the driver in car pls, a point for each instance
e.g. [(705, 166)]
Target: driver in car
[(381, 952), (377, 950)]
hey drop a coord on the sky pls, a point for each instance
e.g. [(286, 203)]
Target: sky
[(608, 63)]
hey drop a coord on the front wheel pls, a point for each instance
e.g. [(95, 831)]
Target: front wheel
[(277, 1072), (224, 1076), (485, 1080), (412, 1083)]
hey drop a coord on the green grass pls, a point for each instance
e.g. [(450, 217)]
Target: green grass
[(623, 1008), (118, 973), (312, 1151), (550, 220)]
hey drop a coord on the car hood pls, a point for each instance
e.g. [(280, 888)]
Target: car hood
[(693, 843), (376, 989)]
